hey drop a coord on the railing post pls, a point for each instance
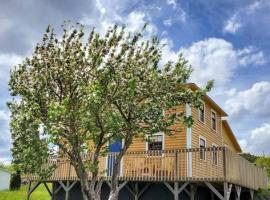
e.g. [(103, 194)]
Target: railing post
[(176, 163), (224, 163)]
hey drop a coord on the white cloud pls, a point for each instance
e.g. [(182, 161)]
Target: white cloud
[(167, 22), (251, 55), (239, 18), (232, 25), (255, 101), (102, 19), (258, 140), (172, 3), (7, 61)]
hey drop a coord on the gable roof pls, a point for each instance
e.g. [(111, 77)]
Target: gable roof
[(217, 108), (231, 135)]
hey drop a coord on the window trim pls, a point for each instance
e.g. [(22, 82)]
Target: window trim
[(163, 140), (203, 114), (202, 138), (214, 146), (213, 111)]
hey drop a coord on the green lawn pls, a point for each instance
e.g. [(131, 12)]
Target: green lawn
[(39, 194)]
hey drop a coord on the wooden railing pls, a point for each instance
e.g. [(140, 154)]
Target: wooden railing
[(209, 164)]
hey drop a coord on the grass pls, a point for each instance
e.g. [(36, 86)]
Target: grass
[(39, 194)]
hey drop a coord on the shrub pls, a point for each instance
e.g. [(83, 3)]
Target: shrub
[(15, 181)]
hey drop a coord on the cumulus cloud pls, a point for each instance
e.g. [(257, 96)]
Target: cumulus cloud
[(7, 61), (239, 18), (172, 3), (258, 140), (232, 25), (255, 101), (213, 59)]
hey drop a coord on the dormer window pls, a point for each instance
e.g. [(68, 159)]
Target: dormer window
[(213, 120), (201, 113)]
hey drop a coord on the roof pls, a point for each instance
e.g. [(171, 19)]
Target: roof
[(217, 108), (232, 136)]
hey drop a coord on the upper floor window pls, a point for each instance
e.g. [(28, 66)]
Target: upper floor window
[(155, 142), (214, 120), (201, 113), (202, 148)]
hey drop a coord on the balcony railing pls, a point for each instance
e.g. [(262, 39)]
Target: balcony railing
[(209, 164)]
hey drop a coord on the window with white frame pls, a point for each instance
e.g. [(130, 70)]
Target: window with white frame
[(202, 148), (214, 120), (214, 155), (201, 113), (155, 142)]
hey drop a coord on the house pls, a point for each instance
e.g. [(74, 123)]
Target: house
[(4, 179), (199, 162)]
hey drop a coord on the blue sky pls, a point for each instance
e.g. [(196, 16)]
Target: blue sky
[(226, 40)]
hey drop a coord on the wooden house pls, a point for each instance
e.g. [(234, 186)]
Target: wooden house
[(201, 162)]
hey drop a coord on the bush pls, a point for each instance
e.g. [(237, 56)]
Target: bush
[(15, 181)]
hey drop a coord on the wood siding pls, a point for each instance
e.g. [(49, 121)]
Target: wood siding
[(176, 140), (227, 140), (200, 129)]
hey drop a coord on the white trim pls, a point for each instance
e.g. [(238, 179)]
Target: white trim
[(214, 146), (188, 111), (163, 140), (211, 120), (202, 138), (199, 118)]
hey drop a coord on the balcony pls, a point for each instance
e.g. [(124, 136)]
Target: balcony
[(198, 165)]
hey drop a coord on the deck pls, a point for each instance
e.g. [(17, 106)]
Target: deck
[(198, 165)]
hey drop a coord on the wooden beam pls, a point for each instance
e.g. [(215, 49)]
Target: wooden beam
[(227, 190), (31, 190), (193, 189), (122, 185), (48, 189), (144, 189), (214, 190), (238, 192), (251, 194), (182, 187)]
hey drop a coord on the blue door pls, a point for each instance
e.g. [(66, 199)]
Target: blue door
[(114, 147)]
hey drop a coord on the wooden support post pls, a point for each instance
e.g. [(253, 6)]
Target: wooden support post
[(193, 189), (237, 192), (176, 190), (31, 190), (67, 191), (212, 195), (136, 191), (251, 194), (67, 188), (227, 191)]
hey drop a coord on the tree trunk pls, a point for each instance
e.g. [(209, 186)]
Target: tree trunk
[(114, 194)]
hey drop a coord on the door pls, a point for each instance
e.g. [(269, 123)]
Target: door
[(114, 148)]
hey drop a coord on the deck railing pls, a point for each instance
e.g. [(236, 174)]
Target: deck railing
[(208, 164)]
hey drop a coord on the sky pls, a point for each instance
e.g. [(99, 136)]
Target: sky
[(227, 41)]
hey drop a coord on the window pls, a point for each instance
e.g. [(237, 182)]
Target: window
[(155, 142), (201, 113), (214, 155), (213, 120), (202, 148)]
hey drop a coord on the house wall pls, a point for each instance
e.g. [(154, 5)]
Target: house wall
[(228, 141), (204, 130), (4, 179), (175, 140)]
